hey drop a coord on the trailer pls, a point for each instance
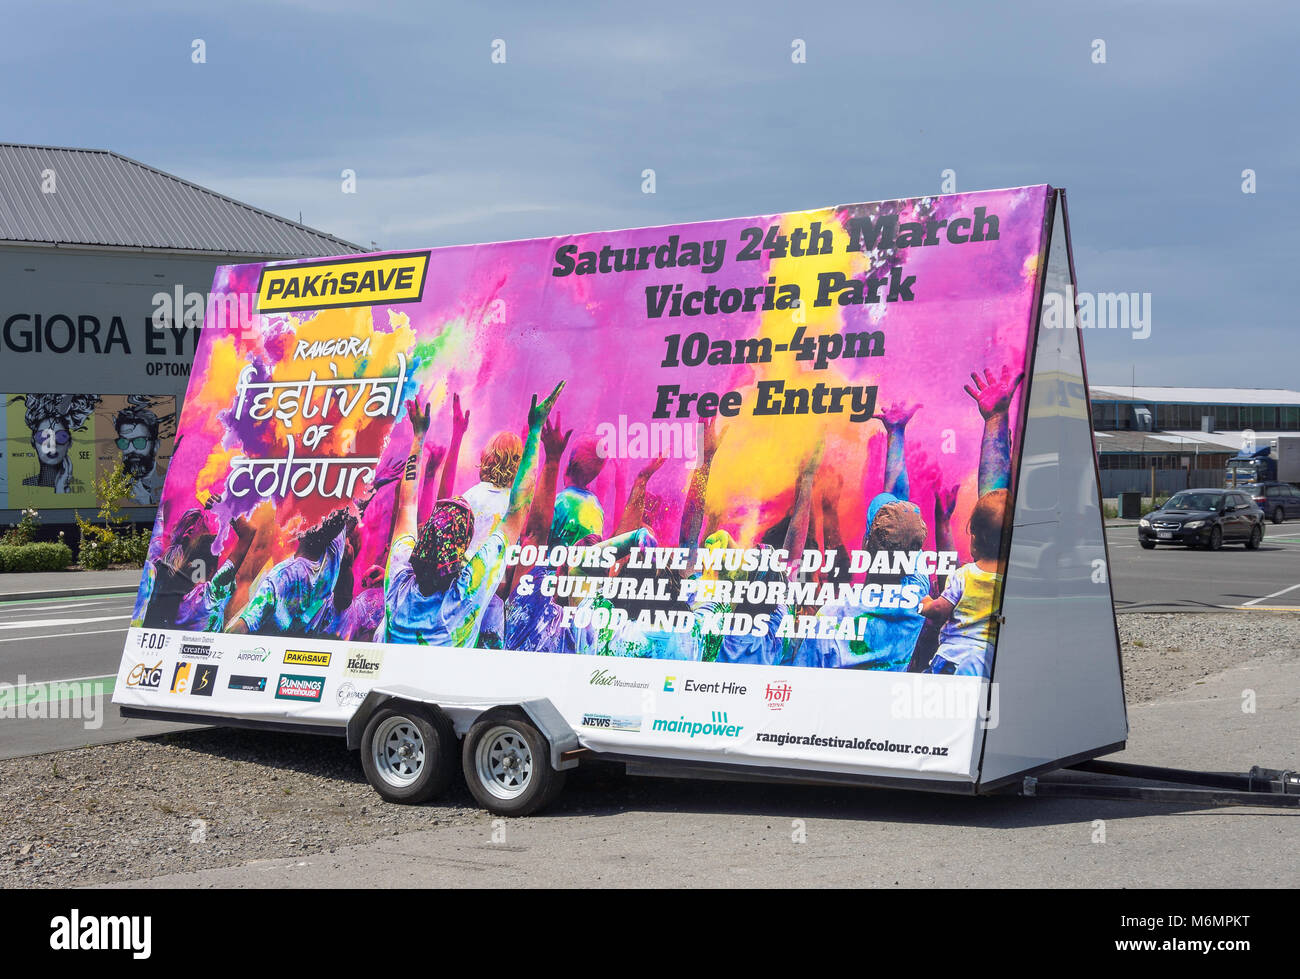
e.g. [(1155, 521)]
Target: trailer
[(800, 497)]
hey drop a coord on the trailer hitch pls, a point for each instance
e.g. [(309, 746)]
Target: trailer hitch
[(1278, 788)]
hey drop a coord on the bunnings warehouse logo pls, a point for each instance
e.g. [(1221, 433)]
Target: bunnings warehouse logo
[(292, 687), (717, 726), (295, 657)]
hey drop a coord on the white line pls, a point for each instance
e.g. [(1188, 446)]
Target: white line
[(14, 614), (60, 635), (42, 623), (1267, 597), (75, 679)]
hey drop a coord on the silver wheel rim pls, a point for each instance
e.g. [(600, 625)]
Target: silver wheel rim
[(398, 751), (504, 762)]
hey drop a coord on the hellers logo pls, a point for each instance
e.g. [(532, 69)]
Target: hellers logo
[(297, 657), (363, 664), (349, 282)]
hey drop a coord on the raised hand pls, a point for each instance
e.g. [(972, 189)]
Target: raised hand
[(898, 414), (419, 418), (993, 394), (538, 413), (459, 419), (435, 456), (555, 441), (945, 501), (651, 467), (713, 434)]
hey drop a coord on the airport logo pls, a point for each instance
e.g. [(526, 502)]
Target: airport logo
[(777, 695), (146, 676), (259, 655), (255, 684), (294, 657), (717, 726), (294, 687), (363, 664), (610, 722)]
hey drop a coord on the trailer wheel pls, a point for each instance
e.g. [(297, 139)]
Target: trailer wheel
[(507, 764), (408, 753)]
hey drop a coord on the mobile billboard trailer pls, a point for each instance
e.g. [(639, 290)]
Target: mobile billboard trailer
[(804, 496)]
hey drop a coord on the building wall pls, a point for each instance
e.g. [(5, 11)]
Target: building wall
[(80, 322)]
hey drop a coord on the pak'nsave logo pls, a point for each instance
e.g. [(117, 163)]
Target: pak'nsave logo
[(298, 657), (344, 282), (717, 726)]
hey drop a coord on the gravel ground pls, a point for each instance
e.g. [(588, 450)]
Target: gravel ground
[(213, 798)]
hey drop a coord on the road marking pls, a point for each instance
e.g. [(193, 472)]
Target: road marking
[(15, 615), (64, 598), (42, 623), (61, 635), (91, 686), (1274, 595)]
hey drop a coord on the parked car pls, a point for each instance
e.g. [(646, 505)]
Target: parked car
[(1278, 500), (1204, 518)]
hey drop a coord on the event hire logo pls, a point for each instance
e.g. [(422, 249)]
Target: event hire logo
[(343, 282)]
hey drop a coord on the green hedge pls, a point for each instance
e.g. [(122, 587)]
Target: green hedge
[(35, 557)]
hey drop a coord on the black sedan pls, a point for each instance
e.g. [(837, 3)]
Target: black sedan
[(1204, 518)]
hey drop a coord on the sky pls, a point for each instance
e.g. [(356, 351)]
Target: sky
[(449, 146)]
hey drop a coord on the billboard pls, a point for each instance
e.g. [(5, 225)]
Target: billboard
[(57, 445), (740, 488)]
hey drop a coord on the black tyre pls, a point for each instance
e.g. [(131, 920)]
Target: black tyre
[(408, 752), (1278, 515), (1149, 545), (1256, 538), (507, 764), (1216, 538)]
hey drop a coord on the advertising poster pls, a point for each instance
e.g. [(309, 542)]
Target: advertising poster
[(56, 445), (732, 488)]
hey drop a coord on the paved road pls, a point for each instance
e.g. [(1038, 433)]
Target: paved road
[(65, 639), (658, 833), (1175, 579)]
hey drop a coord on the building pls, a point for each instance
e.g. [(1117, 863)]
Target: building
[(105, 266), (1185, 435)]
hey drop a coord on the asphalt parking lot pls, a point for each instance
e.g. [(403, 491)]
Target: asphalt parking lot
[(1176, 579)]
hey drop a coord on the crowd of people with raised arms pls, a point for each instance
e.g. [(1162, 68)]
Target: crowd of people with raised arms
[(446, 578)]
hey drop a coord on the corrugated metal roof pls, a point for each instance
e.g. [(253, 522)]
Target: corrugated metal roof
[(103, 198), (1203, 396)]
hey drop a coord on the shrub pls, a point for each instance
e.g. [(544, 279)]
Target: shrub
[(35, 557), (24, 531), (131, 547), (97, 545)]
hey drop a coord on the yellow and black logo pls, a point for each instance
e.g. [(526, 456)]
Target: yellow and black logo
[(362, 281), (296, 657)]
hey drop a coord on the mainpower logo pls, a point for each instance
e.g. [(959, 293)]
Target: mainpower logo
[(718, 726)]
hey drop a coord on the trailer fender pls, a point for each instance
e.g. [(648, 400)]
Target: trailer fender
[(464, 711)]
